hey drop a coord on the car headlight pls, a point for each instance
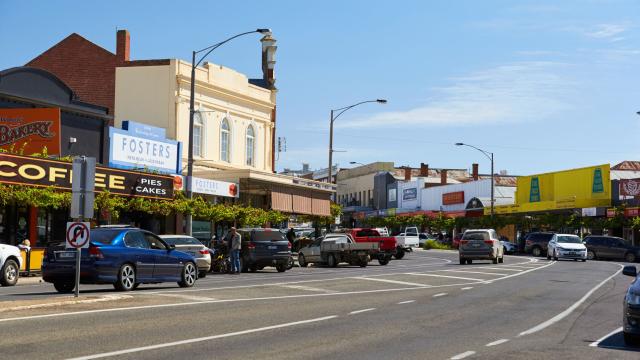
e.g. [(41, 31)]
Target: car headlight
[(633, 298), (560, 248)]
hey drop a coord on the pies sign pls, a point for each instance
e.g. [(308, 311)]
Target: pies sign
[(630, 187)]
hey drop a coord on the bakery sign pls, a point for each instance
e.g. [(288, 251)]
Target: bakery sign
[(630, 187), (31, 171), (30, 130), (453, 198)]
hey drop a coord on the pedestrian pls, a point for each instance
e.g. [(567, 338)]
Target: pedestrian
[(235, 244)]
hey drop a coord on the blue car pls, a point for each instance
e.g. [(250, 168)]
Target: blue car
[(123, 256)]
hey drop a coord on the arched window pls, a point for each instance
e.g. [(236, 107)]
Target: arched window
[(251, 140), (198, 128), (225, 138)]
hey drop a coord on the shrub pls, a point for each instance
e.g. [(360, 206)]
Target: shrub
[(435, 244)]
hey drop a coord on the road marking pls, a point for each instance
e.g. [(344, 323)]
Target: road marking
[(525, 267), (307, 288), (597, 342), (361, 311), (440, 294), (463, 355), (200, 339), (187, 297), (569, 310), (476, 272), (467, 288), (447, 276), (406, 302), (497, 342), (498, 268), (394, 282)]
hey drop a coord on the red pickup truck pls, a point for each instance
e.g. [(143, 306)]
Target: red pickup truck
[(387, 243)]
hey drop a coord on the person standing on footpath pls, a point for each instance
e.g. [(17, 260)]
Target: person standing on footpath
[(235, 244)]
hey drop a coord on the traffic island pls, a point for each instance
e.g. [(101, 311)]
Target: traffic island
[(22, 305)]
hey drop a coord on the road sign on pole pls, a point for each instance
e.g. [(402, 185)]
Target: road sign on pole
[(78, 235), (82, 187)]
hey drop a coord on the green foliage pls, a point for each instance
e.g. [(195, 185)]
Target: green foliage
[(47, 197), (435, 244)]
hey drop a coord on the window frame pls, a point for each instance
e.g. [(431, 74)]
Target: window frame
[(225, 146), (250, 160)]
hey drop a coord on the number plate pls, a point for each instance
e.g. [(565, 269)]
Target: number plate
[(475, 244), (272, 247), (67, 255)]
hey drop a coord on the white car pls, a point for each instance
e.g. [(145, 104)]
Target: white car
[(10, 263), (566, 246)]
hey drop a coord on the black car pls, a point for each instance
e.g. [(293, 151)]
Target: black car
[(535, 243), (609, 247), (264, 247), (631, 312)]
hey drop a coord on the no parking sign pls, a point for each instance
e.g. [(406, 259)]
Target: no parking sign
[(78, 235)]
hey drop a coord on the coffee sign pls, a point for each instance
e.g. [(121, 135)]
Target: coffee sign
[(30, 171), (30, 130)]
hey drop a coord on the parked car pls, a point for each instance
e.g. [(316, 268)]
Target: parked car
[(631, 308), (387, 244), (123, 256), (263, 247), (406, 241), (508, 247), (609, 247), (193, 247), (566, 246), (480, 244), (10, 263), (455, 243), (333, 249), (423, 237), (535, 243)]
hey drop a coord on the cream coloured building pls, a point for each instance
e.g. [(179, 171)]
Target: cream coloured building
[(234, 126)]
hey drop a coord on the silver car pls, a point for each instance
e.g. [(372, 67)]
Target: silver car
[(480, 244), (193, 247)]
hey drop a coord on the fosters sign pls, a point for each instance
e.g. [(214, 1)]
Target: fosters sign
[(30, 130), (131, 151), (24, 170)]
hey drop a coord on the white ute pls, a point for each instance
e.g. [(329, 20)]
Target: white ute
[(10, 262), (406, 241)]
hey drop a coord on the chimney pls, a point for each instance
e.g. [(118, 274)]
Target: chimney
[(269, 60), (443, 176), (474, 172), (424, 170), (122, 46), (407, 174)]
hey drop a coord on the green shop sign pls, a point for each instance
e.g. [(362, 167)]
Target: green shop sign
[(534, 193), (597, 187)]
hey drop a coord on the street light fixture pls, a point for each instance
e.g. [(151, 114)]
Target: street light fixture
[(355, 163), (333, 118), (194, 65), (490, 156)]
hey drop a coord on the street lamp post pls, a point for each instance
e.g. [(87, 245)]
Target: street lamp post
[(490, 156), (333, 118), (194, 65)]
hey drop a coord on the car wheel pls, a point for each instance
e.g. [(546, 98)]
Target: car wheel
[(189, 275), (591, 255), (536, 251), (630, 257), (126, 278), (462, 261), (469, 261), (548, 256), (290, 263), (383, 260), (555, 255), (302, 261), (630, 339), (494, 260), (10, 273), (399, 254), (64, 287), (583, 260), (363, 263), (202, 274), (331, 261), (281, 267), (501, 259), (253, 268)]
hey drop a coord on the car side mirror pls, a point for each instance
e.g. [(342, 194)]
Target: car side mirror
[(630, 270), (171, 247)]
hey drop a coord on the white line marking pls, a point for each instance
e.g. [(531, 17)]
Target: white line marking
[(525, 267), (440, 294), (463, 355), (406, 302), (394, 282), (569, 310), (447, 276), (476, 272), (307, 288), (597, 342), (206, 338), (187, 297), (361, 311), (467, 288), (497, 342), (496, 268)]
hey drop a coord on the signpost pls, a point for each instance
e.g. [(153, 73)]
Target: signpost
[(82, 199)]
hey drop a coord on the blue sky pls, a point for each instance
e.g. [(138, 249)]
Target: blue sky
[(545, 85)]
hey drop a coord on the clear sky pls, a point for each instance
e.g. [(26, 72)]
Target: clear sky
[(545, 85)]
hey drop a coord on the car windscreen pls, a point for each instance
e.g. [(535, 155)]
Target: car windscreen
[(181, 241), (105, 236), (569, 239), (267, 236), (475, 235)]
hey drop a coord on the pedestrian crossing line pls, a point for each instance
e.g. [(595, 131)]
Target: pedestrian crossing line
[(448, 276), (476, 272), (186, 297), (440, 294), (467, 288), (393, 282)]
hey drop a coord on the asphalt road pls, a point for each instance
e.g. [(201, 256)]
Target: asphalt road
[(425, 306)]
